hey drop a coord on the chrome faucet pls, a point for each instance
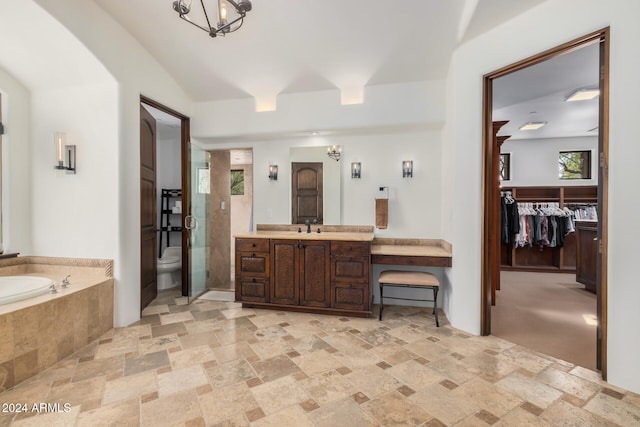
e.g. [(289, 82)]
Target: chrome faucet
[(53, 288)]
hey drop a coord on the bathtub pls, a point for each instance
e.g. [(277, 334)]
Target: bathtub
[(16, 288), (38, 331)]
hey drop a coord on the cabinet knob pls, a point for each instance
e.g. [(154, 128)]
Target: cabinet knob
[(253, 255), (253, 245), (253, 280)]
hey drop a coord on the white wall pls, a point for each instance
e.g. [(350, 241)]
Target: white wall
[(16, 166), (385, 107), (75, 215), (534, 162), (563, 20), (115, 52)]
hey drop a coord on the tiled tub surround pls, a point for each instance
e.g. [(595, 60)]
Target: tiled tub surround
[(38, 332), (214, 363)]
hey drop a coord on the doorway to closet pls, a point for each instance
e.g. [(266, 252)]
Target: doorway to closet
[(531, 295)]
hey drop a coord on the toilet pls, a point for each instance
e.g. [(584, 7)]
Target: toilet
[(170, 268)]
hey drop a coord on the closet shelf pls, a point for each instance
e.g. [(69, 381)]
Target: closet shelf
[(557, 259)]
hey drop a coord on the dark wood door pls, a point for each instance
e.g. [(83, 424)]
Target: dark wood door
[(148, 220), (306, 192), (284, 288), (315, 274)]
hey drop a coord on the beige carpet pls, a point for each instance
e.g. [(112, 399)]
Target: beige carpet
[(547, 312)]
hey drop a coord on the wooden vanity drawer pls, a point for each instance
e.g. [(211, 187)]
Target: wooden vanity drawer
[(350, 296), (351, 249), (252, 289), (252, 264), (255, 245), (350, 269)]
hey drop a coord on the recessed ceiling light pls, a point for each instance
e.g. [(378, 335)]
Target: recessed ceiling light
[(532, 125), (583, 95), (315, 132)]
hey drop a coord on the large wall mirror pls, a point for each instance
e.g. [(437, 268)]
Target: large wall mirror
[(331, 181)]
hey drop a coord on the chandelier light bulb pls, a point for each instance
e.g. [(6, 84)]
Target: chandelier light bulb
[(223, 12)]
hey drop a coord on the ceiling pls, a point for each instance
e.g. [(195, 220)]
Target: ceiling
[(538, 93), (324, 45), (289, 46)]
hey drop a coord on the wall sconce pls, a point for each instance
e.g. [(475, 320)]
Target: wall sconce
[(334, 152), (273, 172), (64, 153), (356, 168), (407, 168)]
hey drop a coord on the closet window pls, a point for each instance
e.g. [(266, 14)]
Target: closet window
[(574, 165), (505, 166)]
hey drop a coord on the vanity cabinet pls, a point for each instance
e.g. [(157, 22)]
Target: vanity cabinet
[(300, 272), (318, 276), (252, 270)]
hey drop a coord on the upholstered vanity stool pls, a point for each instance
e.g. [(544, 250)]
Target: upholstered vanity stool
[(410, 279)]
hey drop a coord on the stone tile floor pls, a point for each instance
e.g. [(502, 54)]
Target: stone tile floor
[(216, 364)]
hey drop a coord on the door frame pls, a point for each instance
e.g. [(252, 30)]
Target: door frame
[(185, 154), (490, 194)]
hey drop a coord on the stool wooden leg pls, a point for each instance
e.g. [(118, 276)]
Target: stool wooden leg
[(435, 305), (380, 315)]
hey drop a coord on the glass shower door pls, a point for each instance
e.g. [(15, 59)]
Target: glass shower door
[(197, 222)]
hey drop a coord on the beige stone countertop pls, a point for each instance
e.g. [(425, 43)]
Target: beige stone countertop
[(294, 235), (411, 247)]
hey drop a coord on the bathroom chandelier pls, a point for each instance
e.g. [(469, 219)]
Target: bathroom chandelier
[(226, 21)]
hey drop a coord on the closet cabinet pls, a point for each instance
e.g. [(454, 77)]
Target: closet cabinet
[(587, 254), (557, 259)]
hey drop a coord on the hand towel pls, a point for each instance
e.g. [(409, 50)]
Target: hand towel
[(382, 213)]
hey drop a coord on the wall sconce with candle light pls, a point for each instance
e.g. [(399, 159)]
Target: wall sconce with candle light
[(64, 153), (334, 152), (273, 172), (356, 169), (407, 168)]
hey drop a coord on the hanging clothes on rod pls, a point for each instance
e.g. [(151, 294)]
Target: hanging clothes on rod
[(543, 224), (583, 211), (509, 218)]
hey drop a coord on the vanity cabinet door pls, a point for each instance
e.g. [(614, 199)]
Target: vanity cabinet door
[(285, 273), (315, 272)]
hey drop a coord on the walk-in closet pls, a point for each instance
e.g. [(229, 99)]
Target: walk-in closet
[(545, 297)]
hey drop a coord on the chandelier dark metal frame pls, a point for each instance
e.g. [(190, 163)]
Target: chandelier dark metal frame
[(241, 7)]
